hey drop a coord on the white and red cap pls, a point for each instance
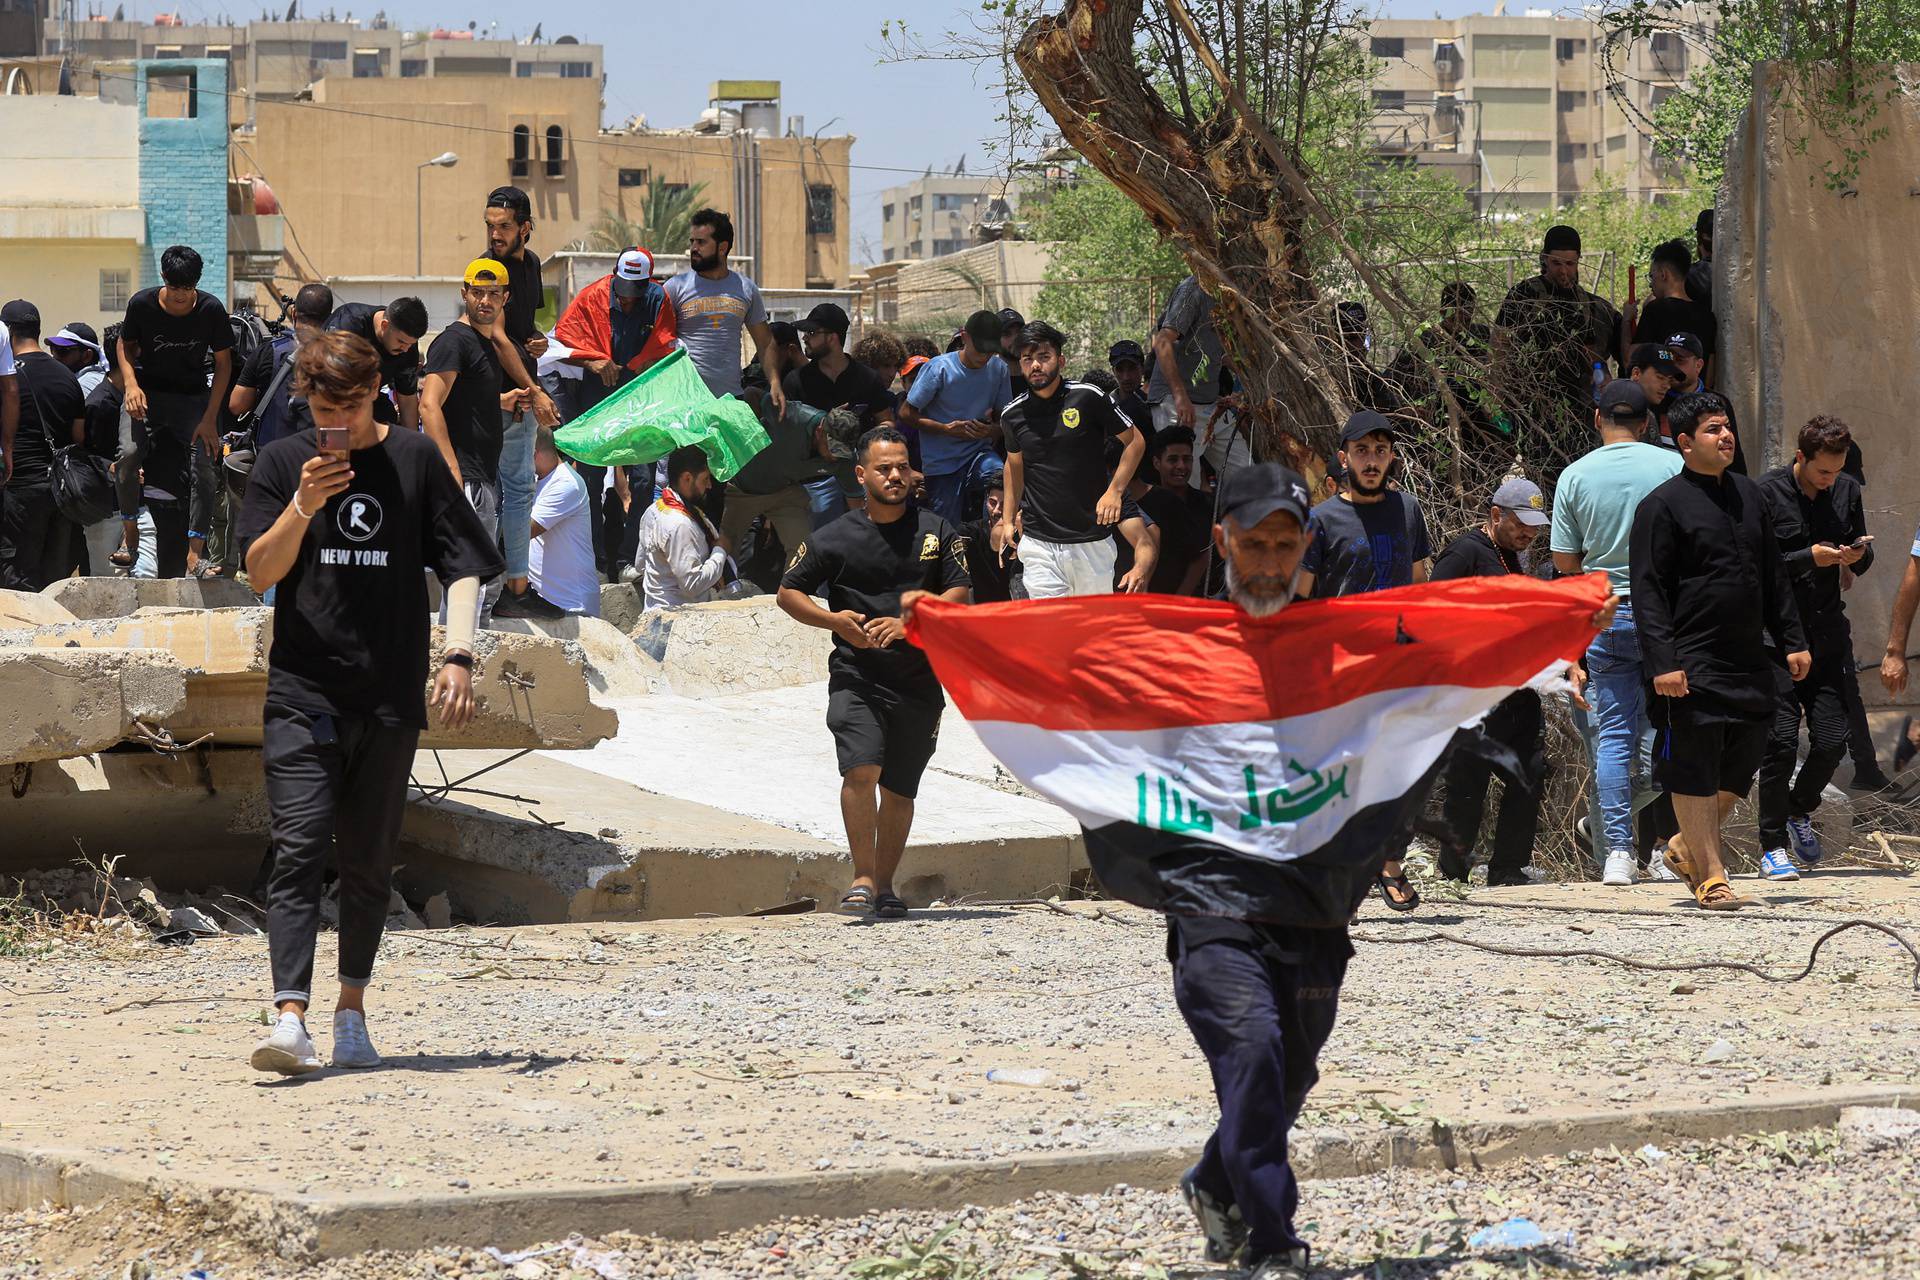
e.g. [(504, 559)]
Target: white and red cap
[(631, 273)]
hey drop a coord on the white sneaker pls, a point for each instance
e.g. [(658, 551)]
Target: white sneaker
[(1775, 865), (288, 1051), (1657, 868), (1619, 870), (351, 1047)]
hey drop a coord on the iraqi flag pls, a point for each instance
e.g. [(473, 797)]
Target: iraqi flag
[(1257, 768)]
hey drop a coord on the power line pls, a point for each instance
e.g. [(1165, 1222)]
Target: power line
[(599, 140)]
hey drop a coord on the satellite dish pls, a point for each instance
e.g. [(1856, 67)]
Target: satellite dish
[(567, 40)]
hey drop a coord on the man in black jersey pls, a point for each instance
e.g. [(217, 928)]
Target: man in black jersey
[(395, 331), (1061, 503), (883, 702)]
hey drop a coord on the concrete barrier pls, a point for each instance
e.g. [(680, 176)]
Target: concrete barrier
[(117, 597), (732, 646), (529, 691), (620, 605), (68, 702), (30, 609), (615, 665)]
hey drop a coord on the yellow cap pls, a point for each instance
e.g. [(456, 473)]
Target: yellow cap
[(486, 271)]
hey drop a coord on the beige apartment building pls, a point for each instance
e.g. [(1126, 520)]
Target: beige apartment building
[(944, 213), (1517, 109)]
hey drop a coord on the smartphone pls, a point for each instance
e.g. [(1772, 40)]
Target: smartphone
[(1860, 543), (333, 439)]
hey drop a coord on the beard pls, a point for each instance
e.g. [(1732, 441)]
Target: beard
[(1262, 600), (1355, 482), (703, 262)]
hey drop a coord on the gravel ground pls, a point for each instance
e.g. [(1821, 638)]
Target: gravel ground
[(1807, 1204)]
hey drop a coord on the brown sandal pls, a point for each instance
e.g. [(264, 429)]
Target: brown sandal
[(1715, 894)]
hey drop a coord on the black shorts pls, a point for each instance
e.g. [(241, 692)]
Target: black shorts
[(1700, 755), (874, 725)]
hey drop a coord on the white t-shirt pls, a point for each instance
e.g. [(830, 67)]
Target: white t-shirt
[(560, 561), (6, 353)]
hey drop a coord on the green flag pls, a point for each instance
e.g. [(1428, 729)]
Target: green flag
[(665, 407)]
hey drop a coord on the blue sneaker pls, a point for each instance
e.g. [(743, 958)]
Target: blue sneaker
[(1806, 842), (1775, 865)]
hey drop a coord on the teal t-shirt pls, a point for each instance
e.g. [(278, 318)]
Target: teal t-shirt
[(1594, 502)]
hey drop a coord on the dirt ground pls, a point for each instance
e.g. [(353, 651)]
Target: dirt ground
[(606, 1055)]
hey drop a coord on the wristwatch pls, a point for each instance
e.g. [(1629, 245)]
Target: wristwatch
[(457, 660)]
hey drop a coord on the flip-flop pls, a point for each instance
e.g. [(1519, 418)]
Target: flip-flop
[(889, 906), (857, 901), (1401, 883)]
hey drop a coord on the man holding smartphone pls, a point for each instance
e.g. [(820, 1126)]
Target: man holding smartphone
[(1820, 522), (344, 519)]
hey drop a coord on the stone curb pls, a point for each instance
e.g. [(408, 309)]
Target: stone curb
[(314, 1227)]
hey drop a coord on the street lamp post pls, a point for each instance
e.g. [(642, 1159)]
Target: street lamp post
[(445, 160)]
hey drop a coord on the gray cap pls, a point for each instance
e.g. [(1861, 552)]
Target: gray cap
[(1522, 497)]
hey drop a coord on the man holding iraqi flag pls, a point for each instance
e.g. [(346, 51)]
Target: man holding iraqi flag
[(1246, 772)]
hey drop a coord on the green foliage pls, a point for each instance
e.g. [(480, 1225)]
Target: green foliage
[(1111, 271), (1835, 55), (932, 1260), (664, 217)]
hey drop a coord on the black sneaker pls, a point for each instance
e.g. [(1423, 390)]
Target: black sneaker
[(528, 604), (1221, 1224)]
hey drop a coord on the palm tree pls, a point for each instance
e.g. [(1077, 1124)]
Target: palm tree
[(664, 217)]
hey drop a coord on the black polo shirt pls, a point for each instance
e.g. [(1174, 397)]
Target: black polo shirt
[(857, 387), (1062, 443)]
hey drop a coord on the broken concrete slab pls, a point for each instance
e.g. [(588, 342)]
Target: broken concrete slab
[(68, 702), (620, 604), (117, 597), (30, 609), (529, 691), (732, 646), (615, 665), (186, 820)]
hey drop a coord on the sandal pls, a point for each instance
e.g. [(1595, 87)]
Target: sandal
[(1388, 884), (1715, 894), (857, 901), (1680, 864), (889, 906)]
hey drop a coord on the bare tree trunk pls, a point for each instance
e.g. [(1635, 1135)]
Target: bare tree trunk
[(1217, 194)]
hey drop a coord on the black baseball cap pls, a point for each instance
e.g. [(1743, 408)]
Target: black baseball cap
[(1126, 349), (1253, 493), (1366, 423), (785, 333), (20, 312), (984, 327), (1623, 400), (1653, 355), (1011, 319), (825, 316), (1688, 343)]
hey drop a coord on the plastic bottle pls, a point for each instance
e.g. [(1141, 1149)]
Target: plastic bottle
[(1599, 378), (1518, 1233), (1028, 1077)]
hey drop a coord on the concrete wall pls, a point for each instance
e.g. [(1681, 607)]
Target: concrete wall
[(183, 168), (1818, 294), (70, 208)]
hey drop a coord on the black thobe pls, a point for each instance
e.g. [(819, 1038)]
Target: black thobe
[(1710, 593), (1835, 516)]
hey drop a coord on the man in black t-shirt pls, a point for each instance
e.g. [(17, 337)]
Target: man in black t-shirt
[(1128, 363), (1182, 514), (1670, 310), (395, 331), (883, 702), (344, 539), (1060, 501), (1515, 516), (168, 336), (463, 406), (267, 374), (1547, 336), (37, 543), (520, 344), (829, 379)]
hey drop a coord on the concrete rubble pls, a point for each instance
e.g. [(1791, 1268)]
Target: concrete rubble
[(67, 702), (732, 646), (529, 691)]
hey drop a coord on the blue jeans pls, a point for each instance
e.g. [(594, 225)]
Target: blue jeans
[(1617, 733), (516, 491), (825, 502), (956, 497)]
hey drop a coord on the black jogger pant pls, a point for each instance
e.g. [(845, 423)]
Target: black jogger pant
[(1821, 699), (335, 784)]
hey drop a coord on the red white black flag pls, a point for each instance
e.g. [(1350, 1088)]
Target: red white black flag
[(1250, 767)]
